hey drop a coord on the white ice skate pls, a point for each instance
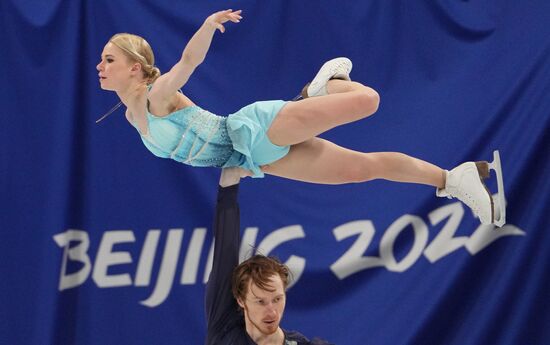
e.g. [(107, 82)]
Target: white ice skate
[(465, 182), (338, 68)]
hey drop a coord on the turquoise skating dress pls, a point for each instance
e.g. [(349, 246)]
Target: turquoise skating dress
[(200, 138)]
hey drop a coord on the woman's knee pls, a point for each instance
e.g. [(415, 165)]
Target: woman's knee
[(361, 169), (367, 100)]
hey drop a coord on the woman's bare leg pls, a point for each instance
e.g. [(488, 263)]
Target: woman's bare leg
[(320, 161), (299, 121)]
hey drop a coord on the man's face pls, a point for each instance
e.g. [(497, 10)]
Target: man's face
[(263, 310)]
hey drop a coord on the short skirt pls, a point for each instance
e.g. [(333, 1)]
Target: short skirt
[(247, 129)]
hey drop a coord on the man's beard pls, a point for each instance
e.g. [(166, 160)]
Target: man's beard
[(263, 328)]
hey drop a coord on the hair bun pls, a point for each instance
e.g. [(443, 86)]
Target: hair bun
[(154, 74)]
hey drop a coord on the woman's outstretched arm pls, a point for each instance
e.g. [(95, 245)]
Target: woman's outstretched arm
[(193, 55)]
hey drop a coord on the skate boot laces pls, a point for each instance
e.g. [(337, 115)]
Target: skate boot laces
[(338, 67), (465, 183)]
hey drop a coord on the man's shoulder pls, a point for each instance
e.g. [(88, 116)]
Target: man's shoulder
[(296, 338), (231, 330)]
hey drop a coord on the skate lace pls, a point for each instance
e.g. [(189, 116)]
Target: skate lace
[(467, 199), (338, 66), (332, 70)]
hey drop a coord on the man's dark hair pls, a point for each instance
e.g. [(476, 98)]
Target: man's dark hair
[(258, 269)]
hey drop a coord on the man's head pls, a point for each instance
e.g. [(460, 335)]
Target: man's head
[(259, 286)]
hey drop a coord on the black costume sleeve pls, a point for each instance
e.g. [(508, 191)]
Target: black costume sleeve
[(221, 307)]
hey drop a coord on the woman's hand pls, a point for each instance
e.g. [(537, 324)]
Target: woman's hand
[(193, 55), (217, 19)]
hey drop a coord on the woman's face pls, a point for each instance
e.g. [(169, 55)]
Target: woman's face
[(115, 69)]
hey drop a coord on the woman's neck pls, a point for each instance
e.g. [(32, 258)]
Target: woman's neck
[(132, 93)]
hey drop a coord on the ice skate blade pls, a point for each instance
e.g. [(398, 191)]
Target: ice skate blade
[(501, 204)]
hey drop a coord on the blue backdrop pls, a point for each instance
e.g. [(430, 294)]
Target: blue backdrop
[(103, 243)]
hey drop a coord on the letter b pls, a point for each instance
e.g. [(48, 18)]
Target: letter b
[(77, 253)]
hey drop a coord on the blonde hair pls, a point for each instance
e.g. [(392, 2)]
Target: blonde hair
[(138, 50)]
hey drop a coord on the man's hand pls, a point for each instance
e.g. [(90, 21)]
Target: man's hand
[(217, 19)]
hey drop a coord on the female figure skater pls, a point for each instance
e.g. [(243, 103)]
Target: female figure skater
[(273, 137)]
